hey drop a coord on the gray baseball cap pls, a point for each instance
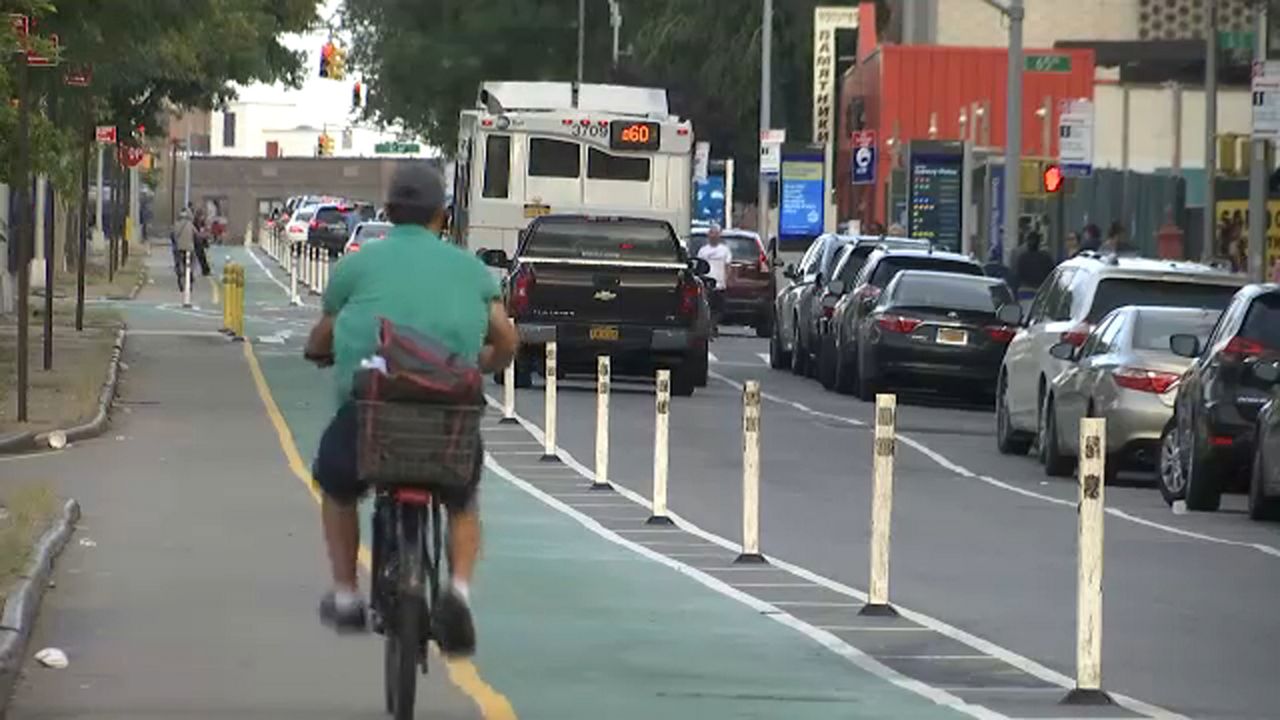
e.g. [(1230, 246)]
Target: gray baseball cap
[(417, 184)]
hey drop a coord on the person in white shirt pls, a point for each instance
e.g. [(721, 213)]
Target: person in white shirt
[(717, 255)]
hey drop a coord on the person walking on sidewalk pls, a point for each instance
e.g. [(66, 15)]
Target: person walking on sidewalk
[(202, 241), (183, 245), (412, 278)]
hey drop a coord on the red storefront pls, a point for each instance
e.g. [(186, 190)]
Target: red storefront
[(896, 90)]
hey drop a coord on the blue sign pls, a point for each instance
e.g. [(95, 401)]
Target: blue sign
[(936, 193), (864, 158), (708, 201), (801, 203)]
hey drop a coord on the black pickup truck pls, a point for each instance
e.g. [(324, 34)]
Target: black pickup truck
[(615, 286)]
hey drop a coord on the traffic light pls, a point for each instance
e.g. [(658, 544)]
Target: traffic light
[(1052, 178), (326, 56), (355, 96), (338, 63), (324, 146)]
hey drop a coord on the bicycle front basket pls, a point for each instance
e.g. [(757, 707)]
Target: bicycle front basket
[(418, 444)]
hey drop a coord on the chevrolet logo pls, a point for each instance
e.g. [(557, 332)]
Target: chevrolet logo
[(605, 295)]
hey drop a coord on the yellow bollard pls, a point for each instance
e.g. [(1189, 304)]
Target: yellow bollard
[(239, 293), (226, 297)]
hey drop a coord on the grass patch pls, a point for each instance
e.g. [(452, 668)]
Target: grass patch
[(25, 512)]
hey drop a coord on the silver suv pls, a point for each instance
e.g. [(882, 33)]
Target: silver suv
[(1079, 294)]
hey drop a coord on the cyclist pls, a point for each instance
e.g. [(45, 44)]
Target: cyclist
[(415, 279)]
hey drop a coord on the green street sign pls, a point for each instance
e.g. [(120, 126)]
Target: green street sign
[(1047, 63), (1235, 40), (396, 148)]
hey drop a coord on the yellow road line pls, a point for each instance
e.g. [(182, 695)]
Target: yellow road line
[(462, 673)]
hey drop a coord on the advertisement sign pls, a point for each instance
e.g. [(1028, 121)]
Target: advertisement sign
[(826, 21), (701, 160), (864, 157), (1075, 138), (708, 202), (936, 193), (801, 198), (1237, 211)]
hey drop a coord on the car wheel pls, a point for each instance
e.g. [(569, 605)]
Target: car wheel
[(1261, 507), (778, 359), (764, 325), (827, 364), (1172, 479), (1056, 464), (1008, 440), (1204, 489), (799, 356), (684, 381)]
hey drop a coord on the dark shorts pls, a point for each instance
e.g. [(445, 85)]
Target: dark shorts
[(335, 466)]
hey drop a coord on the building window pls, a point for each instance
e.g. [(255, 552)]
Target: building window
[(229, 129), (554, 158), (603, 166), (497, 166)]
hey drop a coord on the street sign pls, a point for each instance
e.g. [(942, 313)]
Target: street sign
[(701, 160), (396, 148), (1266, 100), (1047, 63), (864, 157), (771, 151), (1075, 137), (105, 134), (130, 156), (79, 76)]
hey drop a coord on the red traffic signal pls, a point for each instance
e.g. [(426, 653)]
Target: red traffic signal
[(1052, 178)]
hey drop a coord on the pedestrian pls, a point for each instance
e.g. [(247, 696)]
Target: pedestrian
[(717, 255), (184, 245), (1091, 240), (1034, 264), (202, 230), (1071, 245), (1118, 240)]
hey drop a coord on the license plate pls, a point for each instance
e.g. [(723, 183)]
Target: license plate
[(533, 211), (604, 333), (951, 336)]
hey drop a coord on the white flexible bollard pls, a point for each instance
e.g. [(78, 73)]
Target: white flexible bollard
[(295, 251), (549, 417), (601, 481), (1092, 474), (885, 447), (509, 390), (186, 278), (751, 474), (661, 448)]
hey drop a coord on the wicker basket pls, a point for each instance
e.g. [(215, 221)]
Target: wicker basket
[(418, 444)]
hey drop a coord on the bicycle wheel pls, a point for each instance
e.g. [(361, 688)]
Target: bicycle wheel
[(405, 646)]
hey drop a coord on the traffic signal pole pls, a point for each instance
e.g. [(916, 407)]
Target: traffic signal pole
[(1210, 133), (766, 117), (1015, 12), (1257, 168)]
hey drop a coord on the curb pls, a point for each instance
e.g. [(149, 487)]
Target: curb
[(18, 617), (26, 442)]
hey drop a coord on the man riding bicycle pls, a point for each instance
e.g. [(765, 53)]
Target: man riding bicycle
[(414, 279)]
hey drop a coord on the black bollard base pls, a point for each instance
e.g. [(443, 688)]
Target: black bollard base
[(600, 487), (508, 421), (550, 458), (660, 520), (1080, 696), (750, 559), (878, 610)]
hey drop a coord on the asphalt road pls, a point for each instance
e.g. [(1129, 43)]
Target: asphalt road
[(981, 541)]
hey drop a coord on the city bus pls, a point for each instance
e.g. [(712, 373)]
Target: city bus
[(528, 150)]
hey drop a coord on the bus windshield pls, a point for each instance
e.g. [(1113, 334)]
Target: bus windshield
[(635, 241)]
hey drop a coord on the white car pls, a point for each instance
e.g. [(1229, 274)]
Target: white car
[(295, 231), (366, 232)]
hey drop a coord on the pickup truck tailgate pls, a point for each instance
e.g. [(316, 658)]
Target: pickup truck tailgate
[(622, 293)]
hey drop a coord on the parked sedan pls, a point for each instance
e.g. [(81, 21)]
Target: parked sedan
[(295, 231), (1264, 481), (365, 233), (1210, 440), (1126, 373), (936, 328)]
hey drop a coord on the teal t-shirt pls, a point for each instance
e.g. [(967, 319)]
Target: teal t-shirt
[(412, 278)]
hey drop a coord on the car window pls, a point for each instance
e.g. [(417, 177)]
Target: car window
[(742, 248), (372, 232), (1092, 343), (303, 215), (1110, 334), (957, 292), (1059, 306), (1036, 313), (1153, 330), (1262, 322), (807, 261), (330, 216), (1118, 292), (634, 241), (890, 266)]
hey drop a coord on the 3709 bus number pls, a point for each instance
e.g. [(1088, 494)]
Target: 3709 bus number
[(634, 135), (592, 130)]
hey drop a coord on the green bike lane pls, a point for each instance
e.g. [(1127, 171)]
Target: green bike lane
[(574, 625)]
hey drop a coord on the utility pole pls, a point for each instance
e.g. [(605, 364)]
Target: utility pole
[(24, 227), (186, 183), (766, 114), (1210, 132), (83, 249), (1258, 166), (1015, 12), (582, 37), (615, 21)]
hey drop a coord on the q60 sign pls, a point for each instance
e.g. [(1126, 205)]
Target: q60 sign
[(634, 135)]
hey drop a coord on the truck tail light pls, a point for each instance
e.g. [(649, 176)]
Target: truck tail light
[(522, 285), (690, 291)]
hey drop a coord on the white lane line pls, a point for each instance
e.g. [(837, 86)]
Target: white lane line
[(694, 555), (935, 657), (711, 357), (653, 543), (1009, 689), (874, 628), (254, 255), (604, 505), (774, 585), (1025, 664), (813, 604), (831, 642), (950, 465), (764, 358), (180, 333)]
